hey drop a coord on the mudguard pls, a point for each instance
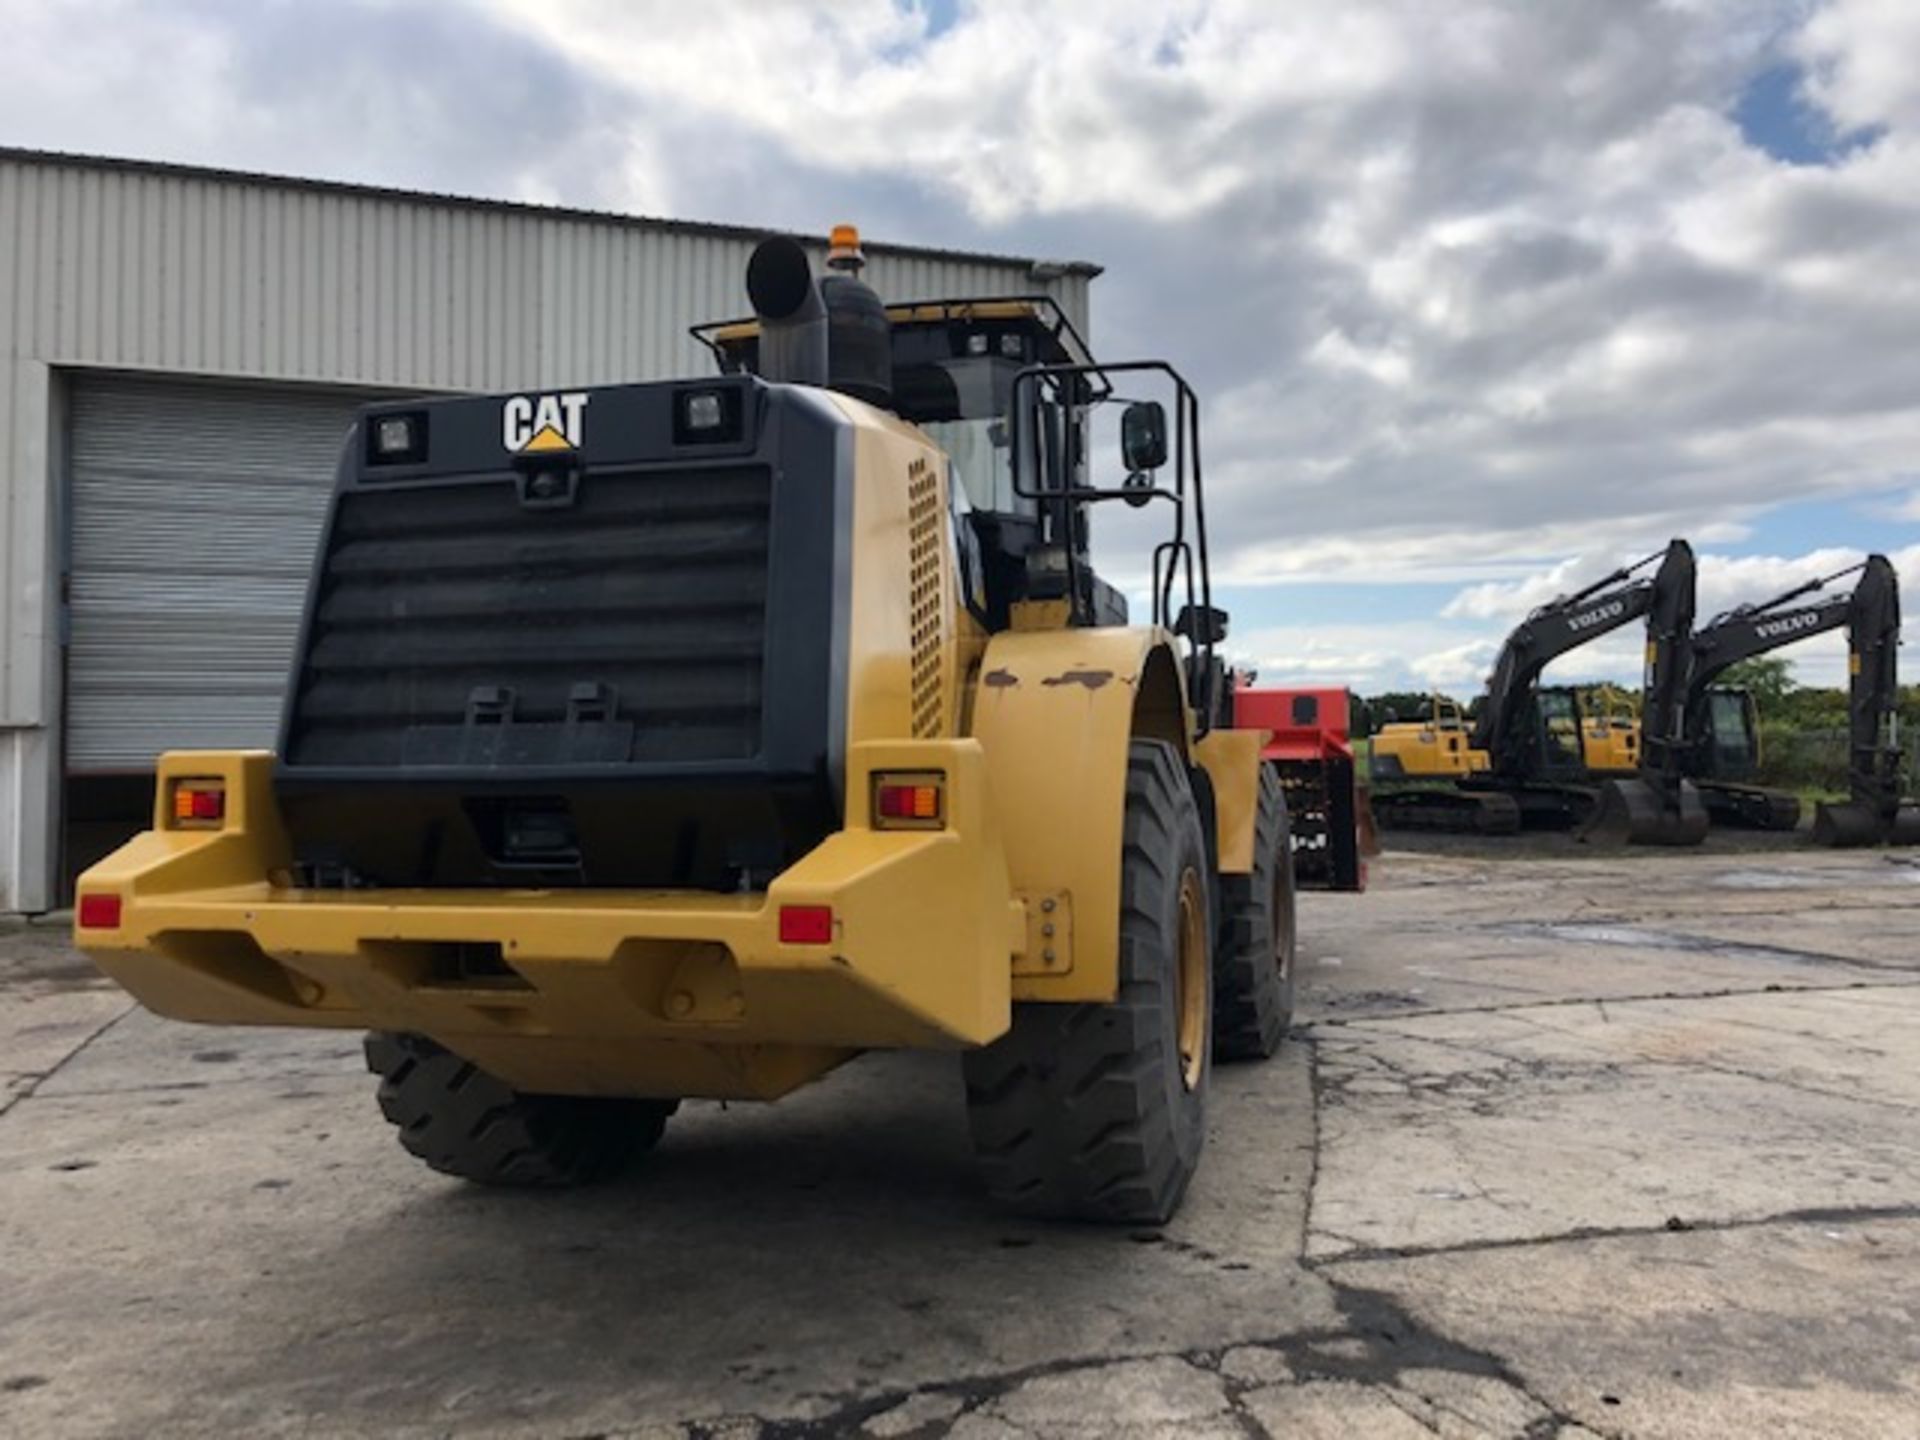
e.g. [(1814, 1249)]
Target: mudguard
[(1054, 711)]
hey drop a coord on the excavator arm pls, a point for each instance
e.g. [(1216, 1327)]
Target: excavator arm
[(1659, 806), (1873, 812), (1670, 662)]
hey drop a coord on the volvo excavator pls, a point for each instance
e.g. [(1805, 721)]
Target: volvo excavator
[(1722, 750), (1534, 737), (1719, 745)]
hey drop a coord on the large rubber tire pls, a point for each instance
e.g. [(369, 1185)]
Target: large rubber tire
[(1093, 1111), (462, 1121), (1254, 955)]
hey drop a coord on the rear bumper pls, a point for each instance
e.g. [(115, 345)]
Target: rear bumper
[(582, 991)]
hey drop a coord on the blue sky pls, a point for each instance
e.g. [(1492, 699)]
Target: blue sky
[(1482, 298)]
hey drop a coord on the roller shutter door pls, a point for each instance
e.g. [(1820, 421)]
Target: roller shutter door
[(195, 510)]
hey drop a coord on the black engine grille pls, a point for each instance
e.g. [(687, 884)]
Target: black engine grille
[(455, 626)]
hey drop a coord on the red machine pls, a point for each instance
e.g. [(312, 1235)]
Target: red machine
[(1332, 823)]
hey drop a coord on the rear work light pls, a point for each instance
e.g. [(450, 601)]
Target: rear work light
[(98, 912), (399, 439), (199, 804), (909, 802), (708, 417), (806, 924)]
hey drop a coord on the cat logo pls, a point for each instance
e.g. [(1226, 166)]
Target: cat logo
[(537, 424)]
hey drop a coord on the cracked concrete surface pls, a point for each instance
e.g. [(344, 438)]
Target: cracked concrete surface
[(1563, 1147)]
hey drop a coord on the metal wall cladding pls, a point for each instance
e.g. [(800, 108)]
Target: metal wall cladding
[(196, 510), (145, 268)]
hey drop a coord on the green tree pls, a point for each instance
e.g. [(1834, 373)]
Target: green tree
[(1769, 677), (1400, 705)]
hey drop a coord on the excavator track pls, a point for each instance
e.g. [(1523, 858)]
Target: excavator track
[(1453, 812), (1749, 807)]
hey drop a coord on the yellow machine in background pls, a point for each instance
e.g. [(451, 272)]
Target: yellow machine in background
[(688, 738), (1441, 746), (1437, 748), (1610, 737)]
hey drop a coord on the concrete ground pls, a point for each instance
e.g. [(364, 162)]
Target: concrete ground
[(1566, 1146)]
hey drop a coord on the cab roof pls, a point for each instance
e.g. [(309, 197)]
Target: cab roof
[(936, 325)]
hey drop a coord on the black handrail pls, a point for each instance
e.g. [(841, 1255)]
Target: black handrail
[(1177, 558)]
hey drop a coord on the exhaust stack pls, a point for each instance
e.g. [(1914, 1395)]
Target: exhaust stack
[(793, 317), (833, 332)]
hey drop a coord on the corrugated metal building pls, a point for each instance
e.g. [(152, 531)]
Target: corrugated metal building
[(180, 350)]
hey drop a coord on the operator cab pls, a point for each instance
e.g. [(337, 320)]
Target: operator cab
[(1731, 746), (956, 369), (1008, 390)]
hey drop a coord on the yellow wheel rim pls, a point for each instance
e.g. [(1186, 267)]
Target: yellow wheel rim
[(1193, 978)]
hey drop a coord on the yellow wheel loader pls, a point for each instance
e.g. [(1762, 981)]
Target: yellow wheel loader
[(657, 741)]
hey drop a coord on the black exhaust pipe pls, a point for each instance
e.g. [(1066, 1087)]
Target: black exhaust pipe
[(793, 317)]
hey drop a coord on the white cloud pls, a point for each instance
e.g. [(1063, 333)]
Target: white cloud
[(1862, 56), (1489, 295)]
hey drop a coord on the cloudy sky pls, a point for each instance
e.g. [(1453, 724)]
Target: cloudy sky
[(1483, 298)]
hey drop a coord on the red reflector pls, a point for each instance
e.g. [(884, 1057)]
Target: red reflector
[(896, 802), (806, 924), (99, 912), (209, 804)]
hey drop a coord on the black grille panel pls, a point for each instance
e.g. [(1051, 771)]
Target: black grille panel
[(455, 626)]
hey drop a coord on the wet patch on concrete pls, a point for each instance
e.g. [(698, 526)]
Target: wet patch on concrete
[(1640, 937), (1379, 1350)]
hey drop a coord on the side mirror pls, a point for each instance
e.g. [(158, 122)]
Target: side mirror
[(1202, 624), (1143, 435)]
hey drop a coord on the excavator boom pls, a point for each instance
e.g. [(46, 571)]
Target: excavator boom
[(1502, 728)]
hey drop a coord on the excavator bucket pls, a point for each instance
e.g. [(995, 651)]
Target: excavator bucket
[(1906, 826), (1847, 824), (1631, 812), (1851, 824)]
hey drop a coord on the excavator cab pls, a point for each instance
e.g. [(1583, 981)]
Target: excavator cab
[(1559, 734), (1730, 750)]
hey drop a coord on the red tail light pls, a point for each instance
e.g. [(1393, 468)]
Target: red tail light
[(199, 802), (806, 924), (99, 912), (914, 802)]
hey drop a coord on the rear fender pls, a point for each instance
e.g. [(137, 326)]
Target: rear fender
[(249, 844), (1054, 711)]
